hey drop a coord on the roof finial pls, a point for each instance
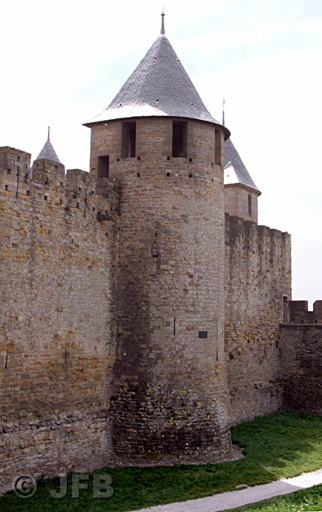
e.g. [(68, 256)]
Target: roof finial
[(48, 133), (223, 111), (162, 21)]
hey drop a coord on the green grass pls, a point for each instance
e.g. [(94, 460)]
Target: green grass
[(309, 499), (283, 444)]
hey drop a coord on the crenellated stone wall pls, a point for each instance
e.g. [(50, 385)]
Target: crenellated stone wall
[(56, 355), (258, 286), (301, 358), (137, 322), (300, 314)]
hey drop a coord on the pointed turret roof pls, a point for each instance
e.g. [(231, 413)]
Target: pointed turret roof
[(159, 86), (235, 171), (48, 151)]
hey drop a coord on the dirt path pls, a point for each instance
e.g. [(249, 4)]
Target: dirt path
[(242, 497)]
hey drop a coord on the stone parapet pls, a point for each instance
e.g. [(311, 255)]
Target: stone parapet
[(299, 313)]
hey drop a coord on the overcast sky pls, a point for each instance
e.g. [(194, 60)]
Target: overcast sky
[(63, 62)]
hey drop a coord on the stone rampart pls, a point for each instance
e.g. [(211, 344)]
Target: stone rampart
[(258, 284), (55, 341)]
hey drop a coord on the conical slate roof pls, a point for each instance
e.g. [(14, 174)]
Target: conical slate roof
[(48, 151), (159, 86), (234, 168)]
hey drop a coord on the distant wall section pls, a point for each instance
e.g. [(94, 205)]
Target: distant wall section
[(301, 357)]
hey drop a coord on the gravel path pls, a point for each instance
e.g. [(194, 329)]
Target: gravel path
[(242, 497)]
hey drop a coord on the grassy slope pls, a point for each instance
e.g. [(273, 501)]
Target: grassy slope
[(283, 444)]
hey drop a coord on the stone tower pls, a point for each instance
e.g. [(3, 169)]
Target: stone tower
[(163, 151), (241, 193)]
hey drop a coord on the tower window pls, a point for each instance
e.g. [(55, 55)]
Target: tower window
[(103, 166), (203, 334), (219, 147), (249, 205), (179, 139), (285, 310), (128, 139)]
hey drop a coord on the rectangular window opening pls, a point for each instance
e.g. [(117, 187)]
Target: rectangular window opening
[(249, 205), (103, 166), (203, 334), (219, 149), (179, 139), (128, 140)]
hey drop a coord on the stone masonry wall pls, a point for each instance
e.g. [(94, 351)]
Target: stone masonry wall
[(301, 356), (125, 329), (258, 281), (169, 386), (237, 202), (55, 342), (299, 313)]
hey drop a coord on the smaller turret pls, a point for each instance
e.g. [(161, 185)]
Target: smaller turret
[(241, 192), (47, 168), (48, 151)]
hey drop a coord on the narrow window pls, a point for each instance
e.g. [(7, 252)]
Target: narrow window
[(285, 310), (249, 205), (128, 139), (103, 166), (179, 139), (219, 147)]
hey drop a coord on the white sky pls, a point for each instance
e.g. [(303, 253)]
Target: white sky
[(63, 62)]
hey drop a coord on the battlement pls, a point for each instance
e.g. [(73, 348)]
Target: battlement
[(14, 169), (47, 182), (78, 180), (299, 313), (48, 173), (266, 240), (13, 160)]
